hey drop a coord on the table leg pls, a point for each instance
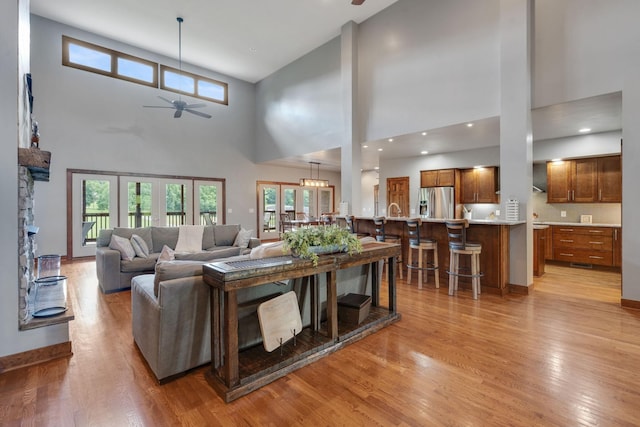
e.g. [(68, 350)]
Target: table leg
[(375, 283), (232, 376), (392, 284), (315, 300), (216, 336), (332, 305)]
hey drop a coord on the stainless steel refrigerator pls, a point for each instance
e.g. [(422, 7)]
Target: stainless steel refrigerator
[(437, 202)]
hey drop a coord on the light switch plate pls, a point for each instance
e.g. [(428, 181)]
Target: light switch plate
[(563, 214)]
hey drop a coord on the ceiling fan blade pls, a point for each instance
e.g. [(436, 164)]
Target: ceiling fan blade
[(198, 113), (195, 105), (177, 114), (165, 99), (155, 106)]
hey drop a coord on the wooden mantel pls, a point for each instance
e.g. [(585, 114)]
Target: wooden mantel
[(37, 161)]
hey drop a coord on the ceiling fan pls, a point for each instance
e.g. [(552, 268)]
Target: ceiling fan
[(178, 104), (357, 2)]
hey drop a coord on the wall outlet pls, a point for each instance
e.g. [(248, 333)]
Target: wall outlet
[(497, 212), (563, 214), (229, 210), (251, 210)]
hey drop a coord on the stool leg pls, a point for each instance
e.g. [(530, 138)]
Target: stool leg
[(408, 268), (420, 256), (452, 270), (474, 273), (436, 268)]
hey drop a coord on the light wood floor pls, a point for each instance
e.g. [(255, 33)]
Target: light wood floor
[(566, 355)]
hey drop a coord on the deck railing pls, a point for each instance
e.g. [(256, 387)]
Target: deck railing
[(173, 219)]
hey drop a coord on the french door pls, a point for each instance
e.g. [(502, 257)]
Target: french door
[(155, 201), (269, 211)]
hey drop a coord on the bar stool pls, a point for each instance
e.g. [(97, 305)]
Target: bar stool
[(381, 236), (423, 246), (458, 245), (351, 225)]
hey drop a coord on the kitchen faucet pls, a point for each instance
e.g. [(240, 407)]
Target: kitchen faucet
[(389, 209)]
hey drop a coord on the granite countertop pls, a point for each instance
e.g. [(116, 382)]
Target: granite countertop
[(575, 224)]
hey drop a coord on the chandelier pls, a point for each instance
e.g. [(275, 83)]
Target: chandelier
[(314, 182)]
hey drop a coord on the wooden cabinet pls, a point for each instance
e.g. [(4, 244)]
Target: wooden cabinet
[(438, 178), (590, 180), (539, 249), (617, 247), (479, 185), (583, 245)]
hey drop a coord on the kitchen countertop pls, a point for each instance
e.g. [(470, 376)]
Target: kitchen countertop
[(575, 224), (471, 221)]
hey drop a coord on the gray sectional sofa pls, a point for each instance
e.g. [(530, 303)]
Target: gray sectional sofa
[(115, 273)]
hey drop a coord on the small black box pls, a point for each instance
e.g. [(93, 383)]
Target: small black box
[(353, 308)]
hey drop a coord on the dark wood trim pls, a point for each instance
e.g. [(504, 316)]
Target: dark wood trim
[(520, 289), (33, 357), (630, 303), (70, 213)]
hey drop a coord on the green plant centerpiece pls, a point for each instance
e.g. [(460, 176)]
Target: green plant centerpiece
[(307, 242)]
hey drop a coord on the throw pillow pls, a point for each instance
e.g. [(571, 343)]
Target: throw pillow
[(123, 246), (139, 246), (243, 238), (269, 250), (167, 254), (190, 238)]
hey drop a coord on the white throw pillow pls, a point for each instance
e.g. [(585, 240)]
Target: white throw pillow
[(167, 254), (190, 238), (243, 238), (123, 246), (139, 246)]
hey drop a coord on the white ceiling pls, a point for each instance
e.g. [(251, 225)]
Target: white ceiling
[(251, 39)]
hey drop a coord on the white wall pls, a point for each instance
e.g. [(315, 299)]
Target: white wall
[(426, 64), (299, 108)]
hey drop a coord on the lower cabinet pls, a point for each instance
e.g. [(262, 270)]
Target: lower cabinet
[(539, 247), (583, 244)]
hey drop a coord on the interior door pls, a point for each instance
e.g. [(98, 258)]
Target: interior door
[(268, 211), (94, 206), (398, 192)]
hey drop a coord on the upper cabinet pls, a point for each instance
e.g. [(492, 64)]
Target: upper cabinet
[(592, 180), (479, 185), (438, 178)]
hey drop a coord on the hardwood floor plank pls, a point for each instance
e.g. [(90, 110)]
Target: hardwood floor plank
[(566, 354)]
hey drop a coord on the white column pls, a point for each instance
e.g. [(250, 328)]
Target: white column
[(516, 154), (351, 161)]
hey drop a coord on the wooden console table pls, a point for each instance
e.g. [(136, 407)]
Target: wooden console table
[(234, 374)]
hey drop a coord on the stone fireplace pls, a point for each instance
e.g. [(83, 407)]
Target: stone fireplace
[(26, 242)]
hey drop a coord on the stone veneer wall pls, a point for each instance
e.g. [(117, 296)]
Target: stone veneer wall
[(26, 243)]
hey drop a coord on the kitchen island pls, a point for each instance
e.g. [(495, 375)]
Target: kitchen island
[(492, 234)]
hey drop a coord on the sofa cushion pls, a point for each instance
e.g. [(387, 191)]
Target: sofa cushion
[(164, 236), (226, 234), (138, 264), (208, 239), (269, 250), (144, 232), (189, 238), (123, 246), (223, 252), (140, 246), (243, 238), (168, 270)]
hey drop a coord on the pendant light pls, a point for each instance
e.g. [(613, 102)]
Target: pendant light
[(314, 182)]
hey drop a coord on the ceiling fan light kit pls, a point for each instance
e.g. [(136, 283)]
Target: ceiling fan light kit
[(178, 104)]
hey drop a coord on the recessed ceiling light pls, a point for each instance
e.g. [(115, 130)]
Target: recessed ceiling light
[(556, 160), (390, 140), (379, 149), (377, 167), (424, 152), (424, 133), (365, 146), (585, 130), (469, 125)]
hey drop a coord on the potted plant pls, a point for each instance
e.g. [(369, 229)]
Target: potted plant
[(308, 242)]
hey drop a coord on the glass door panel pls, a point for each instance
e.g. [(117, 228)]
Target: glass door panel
[(208, 203), (138, 202), (325, 200), (94, 207), (175, 202), (268, 211)]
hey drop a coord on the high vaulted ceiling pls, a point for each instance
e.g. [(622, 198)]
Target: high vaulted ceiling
[(251, 39), (247, 39)]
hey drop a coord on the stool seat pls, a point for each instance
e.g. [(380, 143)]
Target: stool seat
[(423, 246), (458, 245)]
